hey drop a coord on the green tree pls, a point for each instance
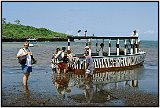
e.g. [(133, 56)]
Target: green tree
[(22, 31), (3, 20), (17, 21)]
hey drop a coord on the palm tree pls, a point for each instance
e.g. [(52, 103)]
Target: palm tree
[(3, 20), (17, 21)]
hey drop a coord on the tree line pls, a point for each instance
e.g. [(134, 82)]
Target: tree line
[(19, 31)]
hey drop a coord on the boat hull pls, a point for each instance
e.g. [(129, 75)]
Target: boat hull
[(110, 63), (31, 45)]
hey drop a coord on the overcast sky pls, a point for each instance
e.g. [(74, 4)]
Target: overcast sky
[(98, 18)]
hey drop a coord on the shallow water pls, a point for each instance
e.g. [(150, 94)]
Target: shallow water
[(43, 80)]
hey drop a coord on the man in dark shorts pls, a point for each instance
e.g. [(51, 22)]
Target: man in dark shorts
[(89, 65)]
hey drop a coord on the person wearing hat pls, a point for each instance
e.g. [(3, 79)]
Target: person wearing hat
[(87, 48), (89, 68), (134, 33)]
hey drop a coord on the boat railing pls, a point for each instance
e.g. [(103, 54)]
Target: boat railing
[(134, 45)]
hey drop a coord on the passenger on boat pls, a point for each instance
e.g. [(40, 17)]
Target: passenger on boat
[(138, 44), (134, 33), (69, 55), (59, 56), (89, 65)]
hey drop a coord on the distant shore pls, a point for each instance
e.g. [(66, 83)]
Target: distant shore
[(38, 39)]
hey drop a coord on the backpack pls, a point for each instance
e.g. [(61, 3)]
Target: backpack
[(59, 57), (22, 59)]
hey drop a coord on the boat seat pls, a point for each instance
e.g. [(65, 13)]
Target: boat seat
[(94, 54), (113, 53), (105, 54), (79, 55)]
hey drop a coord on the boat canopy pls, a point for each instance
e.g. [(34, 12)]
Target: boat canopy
[(102, 37), (132, 39)]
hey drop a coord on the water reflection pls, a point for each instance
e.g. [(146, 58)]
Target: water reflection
[(97, 88), (89, 90), (26, 90), (61, 83)]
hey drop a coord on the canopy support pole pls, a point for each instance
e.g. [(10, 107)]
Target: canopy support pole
[(125, 46), (117, 45), (109, 50), (131, 50), (136, 51), (69, 44)]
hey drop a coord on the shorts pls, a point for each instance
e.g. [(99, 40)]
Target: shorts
[(26, 69), (61, 65)]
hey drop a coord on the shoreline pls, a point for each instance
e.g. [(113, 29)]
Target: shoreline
[(44, 39), (38, 39)]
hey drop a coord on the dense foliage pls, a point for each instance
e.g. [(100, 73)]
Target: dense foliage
[(17, 31)]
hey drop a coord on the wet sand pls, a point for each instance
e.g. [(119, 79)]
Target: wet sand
[(129, 98), (41, 92)]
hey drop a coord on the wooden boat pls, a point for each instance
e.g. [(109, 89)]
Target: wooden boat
[(120, 60)]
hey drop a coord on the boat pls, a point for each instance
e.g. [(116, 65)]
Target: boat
[(130, 57), (32, 42)]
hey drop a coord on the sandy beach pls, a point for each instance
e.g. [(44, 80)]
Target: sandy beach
[(41, 91)]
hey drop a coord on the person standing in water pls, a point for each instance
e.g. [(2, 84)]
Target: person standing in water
[(54, 61), (89, 68), (59, 56), (27, 66)]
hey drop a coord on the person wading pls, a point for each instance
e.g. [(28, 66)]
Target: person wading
[(59, 56), (27, 64), (89, 68)]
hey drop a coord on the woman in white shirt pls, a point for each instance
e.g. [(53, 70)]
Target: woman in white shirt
[(27, 67)]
